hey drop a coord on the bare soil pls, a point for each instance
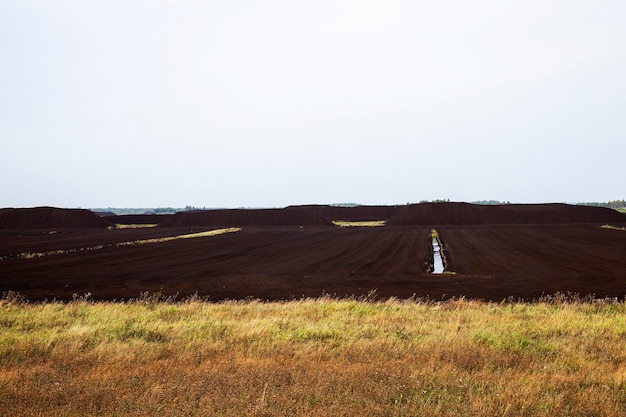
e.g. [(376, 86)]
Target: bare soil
[(529, 261), (136, 218), (475, 214), (490, 262), (49, 217), (289, 216), (356, 213), (268, 263)]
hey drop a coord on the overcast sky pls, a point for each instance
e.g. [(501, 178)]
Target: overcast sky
[(270, 103)]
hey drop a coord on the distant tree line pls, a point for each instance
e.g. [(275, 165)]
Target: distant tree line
[(444, 200), (344, 204), (120, 211), (615, 204), (491, 202), (484, 202), (193, 208)]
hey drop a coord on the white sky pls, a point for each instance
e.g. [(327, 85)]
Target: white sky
[(271, 103)]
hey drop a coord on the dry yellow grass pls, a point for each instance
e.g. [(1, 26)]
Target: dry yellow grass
[(319, 357), (135, 226), (367, 223)]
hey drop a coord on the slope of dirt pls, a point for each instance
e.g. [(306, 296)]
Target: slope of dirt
[(491, 262), (528, 261), (269, 263), (137, 218), (105, 213), (474, 214), (49, 218), (15, 242), (355, 214), (290, 216)]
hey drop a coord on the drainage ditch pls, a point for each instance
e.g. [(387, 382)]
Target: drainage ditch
[(438, 266)]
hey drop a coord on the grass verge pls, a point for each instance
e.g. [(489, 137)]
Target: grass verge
[(314, 357)]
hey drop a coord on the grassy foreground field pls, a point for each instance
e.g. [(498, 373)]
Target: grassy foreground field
[(314, 357)]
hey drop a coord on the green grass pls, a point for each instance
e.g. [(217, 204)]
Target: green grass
[(313, 357)]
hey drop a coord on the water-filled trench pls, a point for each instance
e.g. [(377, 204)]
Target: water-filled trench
[(438, 266)]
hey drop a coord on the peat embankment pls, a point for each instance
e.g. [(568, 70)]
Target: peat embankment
[(535, 250), (50, 218), (137, 218), (290, 216), (354, 214), (474, 214)]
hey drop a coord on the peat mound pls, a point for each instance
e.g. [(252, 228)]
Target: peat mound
[(290, 216), (137, 218), (49, 218), (475, 214), (354, 214), (105, 213)]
